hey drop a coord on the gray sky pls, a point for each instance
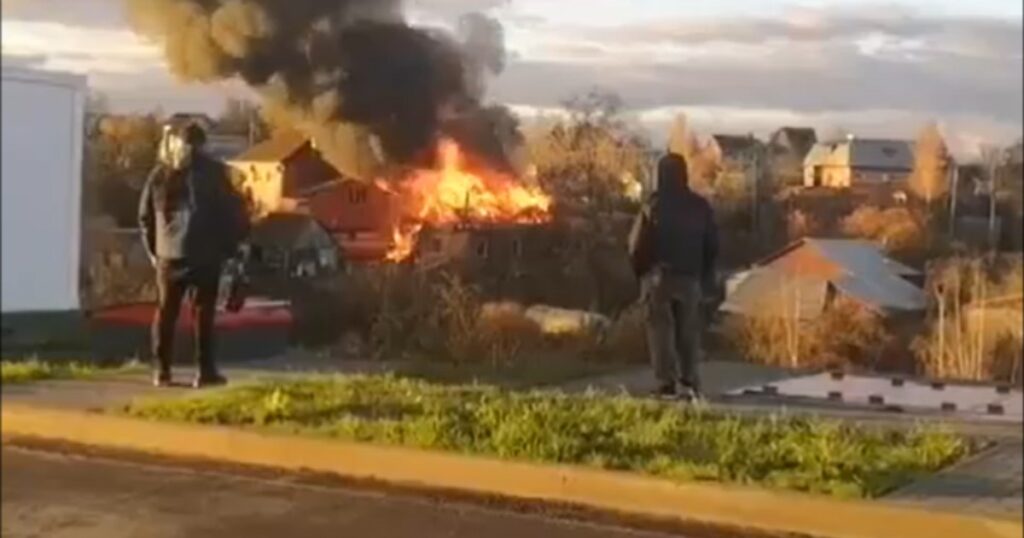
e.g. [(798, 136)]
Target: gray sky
[(732, 65)]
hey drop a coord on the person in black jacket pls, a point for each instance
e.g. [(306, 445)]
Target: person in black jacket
[(673, 247), (192, 221)]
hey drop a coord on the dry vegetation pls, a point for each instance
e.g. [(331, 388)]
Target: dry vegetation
[(399, 312), (845, 334), (897, 229), (930, 178), (967, 338)]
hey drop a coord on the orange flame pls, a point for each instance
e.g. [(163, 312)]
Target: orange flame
[(452, 194)]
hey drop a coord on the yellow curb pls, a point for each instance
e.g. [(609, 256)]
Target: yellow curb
[(619, 492)]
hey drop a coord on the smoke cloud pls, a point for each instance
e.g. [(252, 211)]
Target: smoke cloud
[(352, 74)]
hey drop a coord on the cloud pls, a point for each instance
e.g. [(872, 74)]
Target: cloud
[(78, 13), (872, 67)]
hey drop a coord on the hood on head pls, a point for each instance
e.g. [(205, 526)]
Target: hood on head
[(672, 175)]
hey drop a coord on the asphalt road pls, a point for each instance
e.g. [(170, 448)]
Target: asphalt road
[(46, 494)]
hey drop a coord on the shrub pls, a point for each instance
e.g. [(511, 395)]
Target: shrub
[(845, 333), (897, 229), (968, 338)]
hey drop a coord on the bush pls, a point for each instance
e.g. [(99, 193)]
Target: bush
[(625, 340), (968, 338), (845, 334), (897, 229)]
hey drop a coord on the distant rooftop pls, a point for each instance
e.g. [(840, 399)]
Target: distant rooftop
[(871, 153)]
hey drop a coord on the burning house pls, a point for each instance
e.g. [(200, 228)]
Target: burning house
[(394, 109), (361, 216)]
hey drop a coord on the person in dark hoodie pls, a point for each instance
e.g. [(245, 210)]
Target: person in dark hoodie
[(192, 222), (673, 248)]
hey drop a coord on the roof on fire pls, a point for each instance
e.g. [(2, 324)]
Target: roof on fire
[(275, 149)]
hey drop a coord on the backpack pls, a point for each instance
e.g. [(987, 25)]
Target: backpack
[(641, 241)]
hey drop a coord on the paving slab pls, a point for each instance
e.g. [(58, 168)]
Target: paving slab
[(717, 377), (990, 483)]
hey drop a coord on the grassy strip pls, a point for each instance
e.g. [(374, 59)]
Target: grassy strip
[(619, 433), (521, 374), (27, 371)]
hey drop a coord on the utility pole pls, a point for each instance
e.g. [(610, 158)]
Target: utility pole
[(955, 186), (992, 232), (756, 169)]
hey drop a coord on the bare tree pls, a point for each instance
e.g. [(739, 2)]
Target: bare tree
[(930, 180), (591, 160), (964, 335), (701, 159), (993, 158)]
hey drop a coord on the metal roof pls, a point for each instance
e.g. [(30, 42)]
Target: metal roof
[(765, 291), (863, 153), (866, 275)]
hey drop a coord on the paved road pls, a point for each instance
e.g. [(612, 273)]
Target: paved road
[(59, 496)]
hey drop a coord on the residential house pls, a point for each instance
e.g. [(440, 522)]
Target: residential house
[(275, 174), (793, 140), (787, 149), (804, 279), (858, 161), (737, 153), (360, 215), (225, 147), (291, 246)]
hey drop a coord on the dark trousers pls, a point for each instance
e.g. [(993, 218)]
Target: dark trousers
[(175, 281), (674, 326)]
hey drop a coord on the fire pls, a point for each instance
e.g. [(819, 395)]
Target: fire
[(453, 194), (403, 243)]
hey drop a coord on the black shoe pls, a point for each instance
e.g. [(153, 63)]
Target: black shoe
[(665, 392), (162, 379), (211, 379)]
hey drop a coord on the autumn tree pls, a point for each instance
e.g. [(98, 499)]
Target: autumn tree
[(701, 159), (120, 153), (929, 180), (592, 161), (594, 164)]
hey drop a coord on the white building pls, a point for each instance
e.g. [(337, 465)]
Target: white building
[(43, 131)]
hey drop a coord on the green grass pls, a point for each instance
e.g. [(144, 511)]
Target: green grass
[(26, 371), (618, 433)]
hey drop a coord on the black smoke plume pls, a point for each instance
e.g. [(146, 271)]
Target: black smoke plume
[(352, 74)]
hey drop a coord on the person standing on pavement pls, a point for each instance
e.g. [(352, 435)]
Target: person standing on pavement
[(192, 221), (673, 248)]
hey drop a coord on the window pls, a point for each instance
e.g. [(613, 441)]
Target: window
[(357, 195), (482, 249), (517, 248), (434, 245)]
